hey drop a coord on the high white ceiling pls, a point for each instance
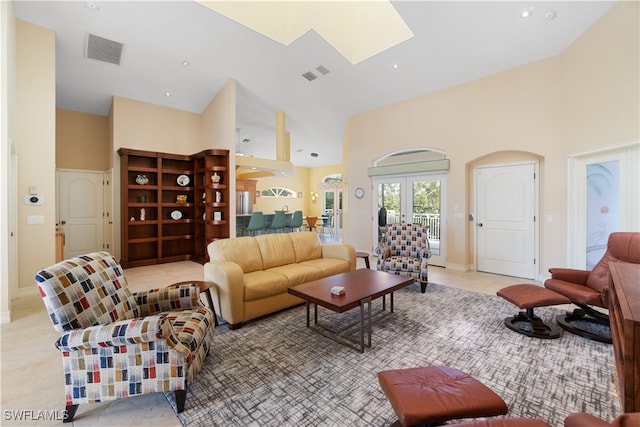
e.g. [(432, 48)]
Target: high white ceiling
[(454, 42)]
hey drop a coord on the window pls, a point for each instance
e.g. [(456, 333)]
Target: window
[(278, 192), (336, 177)]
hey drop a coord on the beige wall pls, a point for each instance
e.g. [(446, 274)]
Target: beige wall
[(8, 175), (82, 141), (545, 110), (218, 124), (299, 183), (35, 140)]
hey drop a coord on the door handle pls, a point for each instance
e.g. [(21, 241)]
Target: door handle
[(63, 222), (480, 224)]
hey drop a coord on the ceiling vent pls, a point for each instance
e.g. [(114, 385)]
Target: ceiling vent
[(104, 50), (322, 69), (309, 76)]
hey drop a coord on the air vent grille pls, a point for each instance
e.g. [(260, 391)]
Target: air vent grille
[(104, 50), (309, 76), (322, 69)]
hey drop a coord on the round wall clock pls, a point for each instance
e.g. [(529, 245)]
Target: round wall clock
[(359, 192)]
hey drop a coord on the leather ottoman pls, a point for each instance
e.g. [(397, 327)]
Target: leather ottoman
[(435, 394), (529, 296), (502, 422)]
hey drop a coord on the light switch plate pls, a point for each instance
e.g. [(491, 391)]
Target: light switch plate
[(35, 219)]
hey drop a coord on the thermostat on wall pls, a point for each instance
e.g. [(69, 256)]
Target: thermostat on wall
[(33, 199)]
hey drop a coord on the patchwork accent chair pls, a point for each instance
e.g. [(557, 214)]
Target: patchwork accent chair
[(117, 344), (405, 250), (589, 289)]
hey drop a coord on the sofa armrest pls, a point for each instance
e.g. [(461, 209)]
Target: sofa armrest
[(341, 251), (170, 298), (122, 332), (228, 292), (570, 275)]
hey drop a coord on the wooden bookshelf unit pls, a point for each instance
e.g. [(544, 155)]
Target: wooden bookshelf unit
[(624, 316), (170, 209)]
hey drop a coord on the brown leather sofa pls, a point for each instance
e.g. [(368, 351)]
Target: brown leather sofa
[(587, 289)]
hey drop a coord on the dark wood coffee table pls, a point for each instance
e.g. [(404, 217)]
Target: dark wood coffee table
[(361, 286)]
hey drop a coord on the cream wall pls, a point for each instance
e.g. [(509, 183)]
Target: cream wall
[(299, 183), (82, 141), (8, 226), (545, 110), (35, 89), (218, 124)]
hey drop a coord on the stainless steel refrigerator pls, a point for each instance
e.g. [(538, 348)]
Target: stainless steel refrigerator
[(244, 202)]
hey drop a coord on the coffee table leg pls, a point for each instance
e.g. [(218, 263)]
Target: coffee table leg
[(308, 313), (391, 302), (366, 301)]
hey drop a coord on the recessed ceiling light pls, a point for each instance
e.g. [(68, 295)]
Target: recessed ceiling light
[(167, 94), (92, 6), (185, 63), (299, 150), (526, 13), (395, 66), (550, 15)]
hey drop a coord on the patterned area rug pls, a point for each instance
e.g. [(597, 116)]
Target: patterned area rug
[(277, 372)]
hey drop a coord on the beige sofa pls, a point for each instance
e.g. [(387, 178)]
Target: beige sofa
[(252, 274)]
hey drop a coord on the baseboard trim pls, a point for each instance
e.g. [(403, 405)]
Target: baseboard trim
[(27, 292), (5, 317), (458, 267)]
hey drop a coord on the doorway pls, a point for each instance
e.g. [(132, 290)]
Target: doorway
[(83, 211), (506, 219), (416, 199), (604, 199), (332, 213)]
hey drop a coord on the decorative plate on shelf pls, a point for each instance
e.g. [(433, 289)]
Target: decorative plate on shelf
[(183, 180), (176, 214)]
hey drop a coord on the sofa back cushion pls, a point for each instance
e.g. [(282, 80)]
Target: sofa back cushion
[(86, 290), (306, 245), (276, 250), (244, 251)]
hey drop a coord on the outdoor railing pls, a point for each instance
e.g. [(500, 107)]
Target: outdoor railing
[(430, 220)]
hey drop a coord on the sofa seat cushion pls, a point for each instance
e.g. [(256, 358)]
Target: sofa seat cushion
[(402, 263), (263, 284), (299, 273), (328, 266)]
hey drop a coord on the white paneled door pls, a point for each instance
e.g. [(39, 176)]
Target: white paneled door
[(81, 211), (506, 228)]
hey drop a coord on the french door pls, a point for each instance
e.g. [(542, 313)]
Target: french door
[(414, 199), (332, 212)]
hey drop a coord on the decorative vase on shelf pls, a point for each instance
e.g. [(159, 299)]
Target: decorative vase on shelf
[(142, 179), (142, 214), (218, 197), (215, 178)]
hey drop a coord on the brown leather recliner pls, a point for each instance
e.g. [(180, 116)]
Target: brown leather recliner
[(591, 288), (586, 420)]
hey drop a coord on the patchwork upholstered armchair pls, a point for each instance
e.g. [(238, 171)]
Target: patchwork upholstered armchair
[(117, 344), (405, 250)]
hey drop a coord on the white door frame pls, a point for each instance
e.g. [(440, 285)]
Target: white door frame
[(407, 205), (536, 211), (107, 201), (629, 157)]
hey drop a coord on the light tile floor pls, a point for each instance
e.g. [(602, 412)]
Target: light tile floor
[(31, 366)]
